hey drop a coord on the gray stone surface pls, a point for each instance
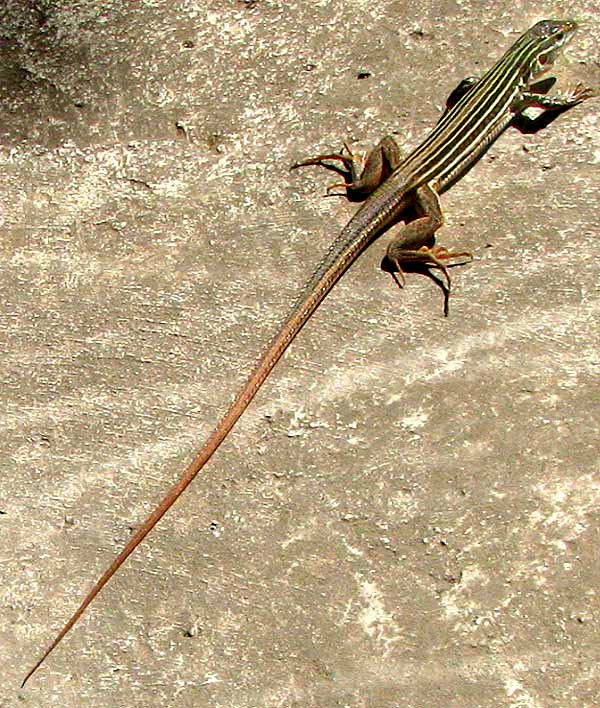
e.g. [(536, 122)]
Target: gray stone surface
[(408, 514)]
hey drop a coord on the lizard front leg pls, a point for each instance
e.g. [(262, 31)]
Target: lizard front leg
[(552, 105), (461, 89), (557, 102)]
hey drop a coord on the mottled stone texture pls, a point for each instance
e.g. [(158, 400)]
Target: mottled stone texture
[(408, 513)]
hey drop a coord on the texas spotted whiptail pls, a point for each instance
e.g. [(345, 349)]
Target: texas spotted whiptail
[(483, 108)]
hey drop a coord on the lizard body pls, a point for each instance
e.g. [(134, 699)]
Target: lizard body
[(482, 109)]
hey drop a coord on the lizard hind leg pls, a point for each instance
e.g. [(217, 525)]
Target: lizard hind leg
[(415, 242), (433, 257), (362, 175)]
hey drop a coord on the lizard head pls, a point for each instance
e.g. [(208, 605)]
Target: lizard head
[(543, 42)]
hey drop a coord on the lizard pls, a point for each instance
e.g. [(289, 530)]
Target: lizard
[(478, 111)]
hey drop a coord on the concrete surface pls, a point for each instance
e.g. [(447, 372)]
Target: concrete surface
[(408, 514)]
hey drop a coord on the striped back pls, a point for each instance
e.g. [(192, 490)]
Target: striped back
[(462, 133)]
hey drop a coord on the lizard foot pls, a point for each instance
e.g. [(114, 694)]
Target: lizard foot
[(433, 257), (348, 169)]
